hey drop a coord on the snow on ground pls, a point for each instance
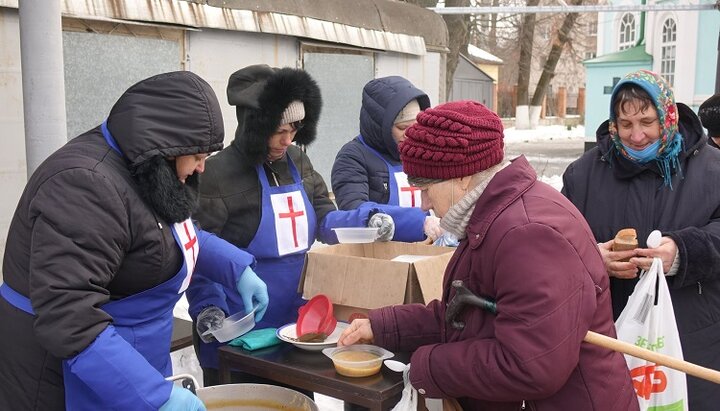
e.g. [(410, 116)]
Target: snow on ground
[(541, 133), (555, 181), (540, 160)]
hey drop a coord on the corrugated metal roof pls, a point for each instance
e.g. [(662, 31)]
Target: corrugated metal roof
[(633, 54), (384, 16), (375, 24)]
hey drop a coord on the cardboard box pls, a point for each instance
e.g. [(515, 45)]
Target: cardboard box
[(358, 277)]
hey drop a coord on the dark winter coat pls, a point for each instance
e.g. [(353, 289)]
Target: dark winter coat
[(614, 193), (82, 235), (358, 175), (531, 251), (233, 211), (260, 94)]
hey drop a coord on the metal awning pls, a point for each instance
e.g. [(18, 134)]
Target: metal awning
[(378, 24), (374, 24)]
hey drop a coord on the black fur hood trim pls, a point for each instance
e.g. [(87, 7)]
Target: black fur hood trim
[(261, 94)]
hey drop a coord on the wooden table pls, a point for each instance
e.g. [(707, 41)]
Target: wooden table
[(181, 334), (315, 372)]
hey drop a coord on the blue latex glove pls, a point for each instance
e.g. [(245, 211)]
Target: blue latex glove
[(251, 287), (182, 399), (385, 224)]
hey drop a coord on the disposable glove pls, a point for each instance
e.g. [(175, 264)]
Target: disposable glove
[(182, 399), (251, 287), (384, 224), (210, 318), (431, 227)]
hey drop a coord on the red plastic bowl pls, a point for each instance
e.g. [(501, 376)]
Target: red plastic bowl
[(316, 316)]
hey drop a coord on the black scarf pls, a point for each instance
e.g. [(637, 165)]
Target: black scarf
[(164, 192)]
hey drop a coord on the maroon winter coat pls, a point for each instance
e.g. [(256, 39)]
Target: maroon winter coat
[(529, 249)]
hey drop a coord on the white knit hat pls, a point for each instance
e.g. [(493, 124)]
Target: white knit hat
[(294, 112), (409, 112)]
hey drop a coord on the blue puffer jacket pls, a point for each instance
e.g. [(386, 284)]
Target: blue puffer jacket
[(359, 175)]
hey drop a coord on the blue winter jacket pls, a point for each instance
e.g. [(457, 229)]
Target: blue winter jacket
[(358, 174)]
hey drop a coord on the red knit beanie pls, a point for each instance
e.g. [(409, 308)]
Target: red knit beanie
[(455, 139)]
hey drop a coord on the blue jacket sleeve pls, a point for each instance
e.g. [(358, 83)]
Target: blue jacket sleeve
[(408, 221), (349, 177), (203, 293), (220, 261), (118, 374)]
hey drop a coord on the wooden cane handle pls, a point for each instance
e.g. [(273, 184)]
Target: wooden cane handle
[(652, 356)]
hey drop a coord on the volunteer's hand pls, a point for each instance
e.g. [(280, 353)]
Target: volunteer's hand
[(181, 399), (359, 331), (613, 265), (431, 227), (210, 318), (666, 251), (252, 288), (385, 224)]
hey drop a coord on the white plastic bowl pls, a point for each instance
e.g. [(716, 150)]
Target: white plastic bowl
[(356, 234), (360, 360), (234, 326)]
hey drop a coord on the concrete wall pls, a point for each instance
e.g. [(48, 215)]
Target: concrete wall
[(425, 72), (215, 54), (12, 140)]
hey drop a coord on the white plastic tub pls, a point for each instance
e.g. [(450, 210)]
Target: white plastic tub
[(356, 234), (234, 326)]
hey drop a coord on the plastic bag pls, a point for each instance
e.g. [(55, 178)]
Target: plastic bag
[(409, 399), (651, 325), (447, 240)]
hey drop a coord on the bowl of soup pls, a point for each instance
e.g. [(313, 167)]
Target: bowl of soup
[(360, 360)]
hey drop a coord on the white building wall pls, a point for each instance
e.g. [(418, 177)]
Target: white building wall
[(422, 71), (685, 50), (215, 54), (12, 139)]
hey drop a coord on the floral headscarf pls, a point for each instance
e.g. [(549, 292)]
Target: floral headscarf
[(671, 140)]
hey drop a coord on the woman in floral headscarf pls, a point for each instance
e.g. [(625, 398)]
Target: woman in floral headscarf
[(653, 169)]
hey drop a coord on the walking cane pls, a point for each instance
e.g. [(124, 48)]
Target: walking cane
[(464, 297)]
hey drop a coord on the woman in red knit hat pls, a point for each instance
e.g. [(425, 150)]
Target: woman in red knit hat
[(525, 247)]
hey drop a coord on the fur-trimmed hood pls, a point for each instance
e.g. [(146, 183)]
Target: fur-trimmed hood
[(260, 94)]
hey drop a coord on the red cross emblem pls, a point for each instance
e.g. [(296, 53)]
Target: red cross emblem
[(648, 380), (292, 214), (191, 241), (412, 191)]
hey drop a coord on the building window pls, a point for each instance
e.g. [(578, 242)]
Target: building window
[(592, 28), (667, 54), (589, 55), (627, 32)]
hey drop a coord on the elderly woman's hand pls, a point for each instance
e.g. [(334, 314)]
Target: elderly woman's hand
[(359, 331), (431, 227), (666, 251), (613, 265)]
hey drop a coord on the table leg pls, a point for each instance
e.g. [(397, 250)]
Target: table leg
[(224, 373)]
